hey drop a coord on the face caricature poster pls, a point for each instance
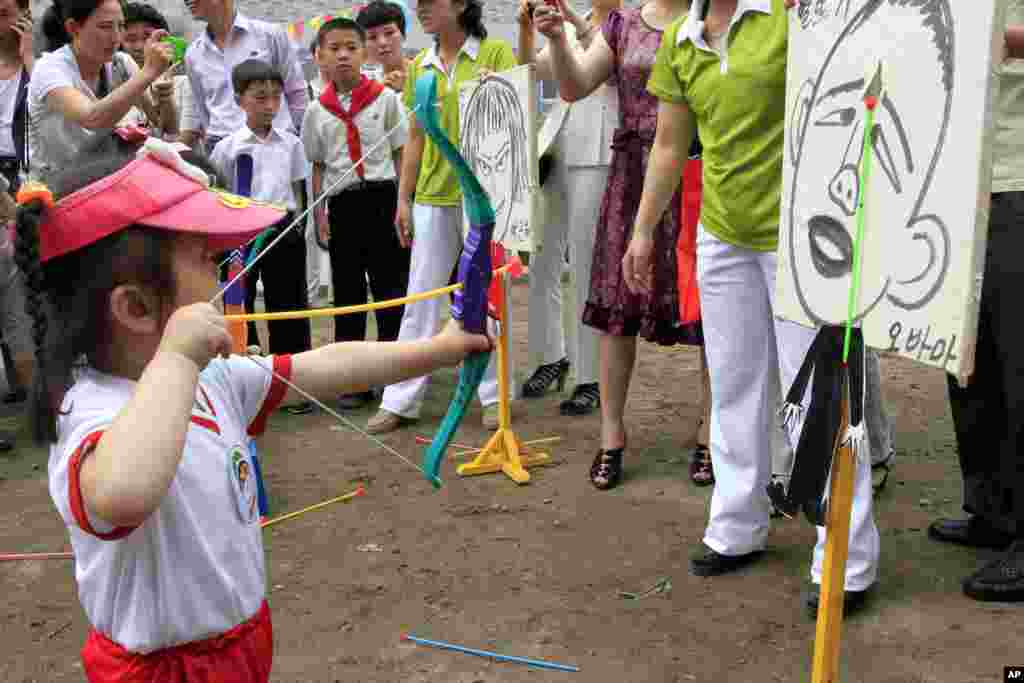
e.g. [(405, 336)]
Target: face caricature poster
[(925, 207), (498, 138)]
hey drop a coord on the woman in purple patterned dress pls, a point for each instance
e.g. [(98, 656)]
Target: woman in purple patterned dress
[(623, 54)]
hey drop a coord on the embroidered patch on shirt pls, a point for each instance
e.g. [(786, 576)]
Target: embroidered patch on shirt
[(243, 483)]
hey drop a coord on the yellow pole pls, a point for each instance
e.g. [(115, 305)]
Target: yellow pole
[(505, 396), (502, 451), (828, 635)]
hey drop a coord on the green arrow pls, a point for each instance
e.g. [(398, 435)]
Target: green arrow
[(872, 93)]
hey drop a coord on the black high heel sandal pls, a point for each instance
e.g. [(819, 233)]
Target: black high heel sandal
[(544, 376), (702, 472), (606, 470), (586, 398)]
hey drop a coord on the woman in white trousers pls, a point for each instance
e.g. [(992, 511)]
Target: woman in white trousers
[(580, 154)]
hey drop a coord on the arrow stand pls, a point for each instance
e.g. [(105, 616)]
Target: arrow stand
[(504, 452)]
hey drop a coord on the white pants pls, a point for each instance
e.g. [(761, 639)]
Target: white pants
[(578, 191), (747, 350), (314, 254), (436, 245)]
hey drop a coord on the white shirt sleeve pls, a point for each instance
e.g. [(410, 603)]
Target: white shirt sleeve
[(311, 139), (188, 118), (396, 120), (294, 83), (300, 168), (78, 431), (223, 161), (258, 392), (51, 72), (200, 112)]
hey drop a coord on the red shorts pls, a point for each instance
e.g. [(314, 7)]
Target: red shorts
[(241, 655)]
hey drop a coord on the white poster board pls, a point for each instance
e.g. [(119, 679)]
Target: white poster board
[(498, 137), (926, 204)]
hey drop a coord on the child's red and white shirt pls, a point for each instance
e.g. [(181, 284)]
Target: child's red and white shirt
[(195, 567)]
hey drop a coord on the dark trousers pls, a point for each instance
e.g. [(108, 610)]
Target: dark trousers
[(988, 415), (364, 245), (283, 272)]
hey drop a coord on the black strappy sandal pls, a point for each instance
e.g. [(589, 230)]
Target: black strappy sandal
[(606, 470), (702, 473), (586, 398), (544, 376)]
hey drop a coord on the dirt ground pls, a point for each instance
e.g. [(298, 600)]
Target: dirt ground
[(536, 570)]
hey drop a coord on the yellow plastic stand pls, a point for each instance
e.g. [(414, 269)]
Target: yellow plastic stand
[(504, 452), (828, 636)]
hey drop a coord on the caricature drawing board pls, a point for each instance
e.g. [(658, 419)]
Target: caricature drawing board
[(498, 138), (926, 207)]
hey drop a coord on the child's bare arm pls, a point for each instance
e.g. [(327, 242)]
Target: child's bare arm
[(127, 476), (349, 367)]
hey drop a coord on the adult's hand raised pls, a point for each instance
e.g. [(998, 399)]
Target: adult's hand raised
[(158, 55), (549, 20)]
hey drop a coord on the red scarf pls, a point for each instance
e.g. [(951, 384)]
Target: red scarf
[(363, 96)]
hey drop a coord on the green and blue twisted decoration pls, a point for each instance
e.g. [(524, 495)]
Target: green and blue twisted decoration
[(470, 302)]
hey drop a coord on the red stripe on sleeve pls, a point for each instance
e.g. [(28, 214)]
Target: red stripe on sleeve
[(86, 447), (276, 394)]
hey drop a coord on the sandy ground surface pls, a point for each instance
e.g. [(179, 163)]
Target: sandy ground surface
[(536, 570)]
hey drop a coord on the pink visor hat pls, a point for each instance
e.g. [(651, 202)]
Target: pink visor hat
[(158, 190)]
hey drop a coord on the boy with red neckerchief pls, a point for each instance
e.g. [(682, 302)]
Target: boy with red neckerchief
[(348, 121)]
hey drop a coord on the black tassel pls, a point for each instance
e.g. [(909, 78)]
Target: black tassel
[(812, 461)]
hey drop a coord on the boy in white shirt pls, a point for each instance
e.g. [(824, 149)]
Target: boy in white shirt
[(349, 119), (267, 163)]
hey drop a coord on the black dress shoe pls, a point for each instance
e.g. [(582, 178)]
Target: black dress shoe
[(974, 532), (1001, 580), (853, 601), (706, 562), (16, 396)]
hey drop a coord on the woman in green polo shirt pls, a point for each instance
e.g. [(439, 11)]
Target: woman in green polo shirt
[(432, 224), (723, 70)]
